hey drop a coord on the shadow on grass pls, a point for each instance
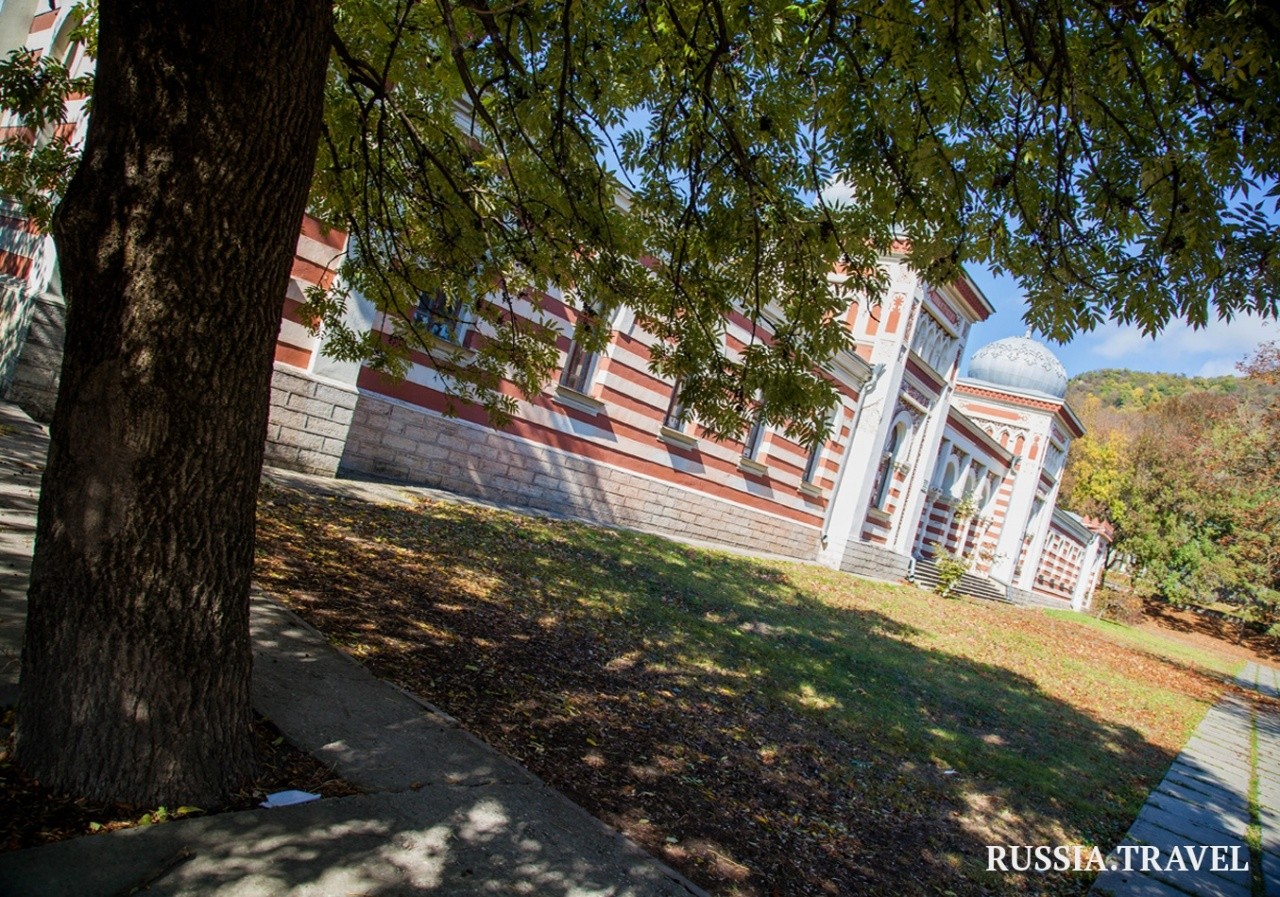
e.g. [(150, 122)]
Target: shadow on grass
[(1212, 625), (762, 738)]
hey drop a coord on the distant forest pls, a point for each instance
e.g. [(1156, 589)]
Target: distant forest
[(1120, 388)]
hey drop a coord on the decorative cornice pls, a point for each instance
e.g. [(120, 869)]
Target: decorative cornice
[(1013, 397)]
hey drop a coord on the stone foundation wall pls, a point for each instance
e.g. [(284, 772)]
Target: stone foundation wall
[(308, 423), (403, 443), (38, 368), (1025, 598), (866, 559)]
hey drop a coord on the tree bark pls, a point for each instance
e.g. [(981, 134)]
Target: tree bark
[(1106, 568), (175, 242)]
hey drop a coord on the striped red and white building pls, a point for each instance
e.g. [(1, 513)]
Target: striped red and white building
[(30, 296), (919, 459)]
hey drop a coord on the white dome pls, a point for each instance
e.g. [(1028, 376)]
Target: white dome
[(1020, 362)]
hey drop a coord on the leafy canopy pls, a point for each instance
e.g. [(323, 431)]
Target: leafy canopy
[(35, 162), (676, 158)]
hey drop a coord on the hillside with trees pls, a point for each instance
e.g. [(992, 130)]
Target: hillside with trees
[(1188, 471), (1121, 388)]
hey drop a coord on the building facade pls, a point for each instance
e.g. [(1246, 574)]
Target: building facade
[(919, 461)]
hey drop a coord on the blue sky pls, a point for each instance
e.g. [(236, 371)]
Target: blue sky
[(1209, 352)]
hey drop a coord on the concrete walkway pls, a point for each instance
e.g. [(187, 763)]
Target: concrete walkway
[(442, 814), (1205, 801)]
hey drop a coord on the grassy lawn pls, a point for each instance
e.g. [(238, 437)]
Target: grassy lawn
[(1156, 643), (767, 728)]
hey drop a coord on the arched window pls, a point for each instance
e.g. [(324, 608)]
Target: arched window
[(980, 495), (949, 478), (897, 437)]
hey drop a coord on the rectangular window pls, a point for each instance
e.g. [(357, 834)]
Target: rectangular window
[(811, 466), (675, 410), (755, 436), (577, 369), (580, 364), (440, 314)]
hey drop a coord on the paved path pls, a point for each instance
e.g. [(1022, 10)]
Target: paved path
[(442, 814), (1205, 801)]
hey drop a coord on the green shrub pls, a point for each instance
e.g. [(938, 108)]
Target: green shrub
[(951, 569)]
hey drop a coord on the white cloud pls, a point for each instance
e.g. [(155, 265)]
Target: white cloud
[(838, 193), (1212, 350), (1219, 367), (1121, 341)]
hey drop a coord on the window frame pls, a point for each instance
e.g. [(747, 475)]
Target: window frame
[(888, 461), (441, 312), (579, 370), (753, 441), (676, 417)]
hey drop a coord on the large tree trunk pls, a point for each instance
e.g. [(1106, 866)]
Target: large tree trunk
[(175, 242)]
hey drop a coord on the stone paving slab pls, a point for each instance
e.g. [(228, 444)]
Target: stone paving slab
[(1223, 734), (1200, 783), (1221, 800), (1269, 787), (377, 737), (1203, 777), (1196, 820), (1215, 757), (1203, 884), (1270, 830), (1260, 678), (1222, 718), (1268, 733), (1271, 873), (445, 839), (1222, 728), (1144, 831)]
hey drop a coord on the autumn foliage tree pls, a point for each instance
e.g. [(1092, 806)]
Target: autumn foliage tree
[(1115, 159), (1192, 485)]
